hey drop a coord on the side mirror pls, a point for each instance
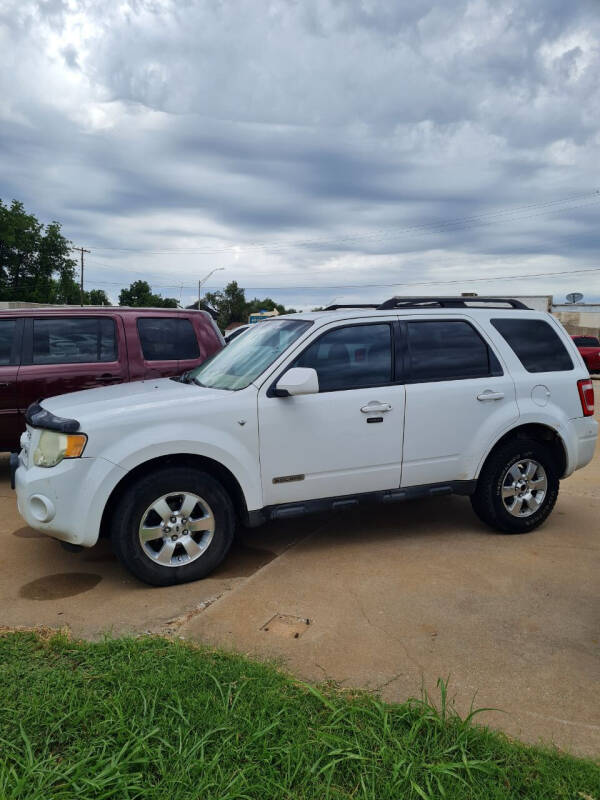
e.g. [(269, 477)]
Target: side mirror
[(298, 380)]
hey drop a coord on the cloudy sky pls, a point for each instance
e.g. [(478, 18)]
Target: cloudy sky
[(314, 149)]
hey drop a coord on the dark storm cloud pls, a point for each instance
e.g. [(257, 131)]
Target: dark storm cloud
[(309, 142)]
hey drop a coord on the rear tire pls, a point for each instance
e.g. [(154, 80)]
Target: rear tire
[(518, 486), (172, 526)]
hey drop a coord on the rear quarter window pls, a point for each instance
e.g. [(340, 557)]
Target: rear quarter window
[(167, 339), (535, 343)]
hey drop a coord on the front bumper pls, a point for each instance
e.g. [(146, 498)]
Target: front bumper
[(66, 501)]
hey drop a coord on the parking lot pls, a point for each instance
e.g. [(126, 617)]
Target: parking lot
[(395, 597)]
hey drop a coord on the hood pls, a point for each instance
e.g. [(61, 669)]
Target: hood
[(93, 407)]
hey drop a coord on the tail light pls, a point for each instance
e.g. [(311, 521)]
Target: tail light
[(586, 395)]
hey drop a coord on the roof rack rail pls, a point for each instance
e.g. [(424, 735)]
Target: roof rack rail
[(449, 302), (353, 305)]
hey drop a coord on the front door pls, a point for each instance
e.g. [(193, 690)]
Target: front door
[(347, 438)]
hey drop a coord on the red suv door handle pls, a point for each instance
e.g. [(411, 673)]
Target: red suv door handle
[(106, 377), (4, 385)]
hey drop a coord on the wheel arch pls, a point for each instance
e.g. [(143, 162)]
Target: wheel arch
[(538, 432), (209, 465)]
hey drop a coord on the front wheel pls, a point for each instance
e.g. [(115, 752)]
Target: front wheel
[(518, 487), (172, 526)]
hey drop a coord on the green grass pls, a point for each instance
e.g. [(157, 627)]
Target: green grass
[(150, 718)]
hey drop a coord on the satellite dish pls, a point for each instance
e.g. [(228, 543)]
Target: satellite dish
[(574, 297)]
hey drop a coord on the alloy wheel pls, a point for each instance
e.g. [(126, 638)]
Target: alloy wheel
[(176, 529), (524, 488)]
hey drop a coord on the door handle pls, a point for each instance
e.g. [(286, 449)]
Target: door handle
[(490, 395), (4, 385), (106, 377), (379, 408)]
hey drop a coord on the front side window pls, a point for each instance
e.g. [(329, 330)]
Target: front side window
[(8, 329), (535, 343), (167, 339), (446, 350), (352, 357), (74, 340), (248, 356)]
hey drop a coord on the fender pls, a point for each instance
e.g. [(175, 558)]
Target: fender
[(546, 420), (241, 460)]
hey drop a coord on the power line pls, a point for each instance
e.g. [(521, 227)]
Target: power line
[(378, 285), (81, 250), (485, 218)]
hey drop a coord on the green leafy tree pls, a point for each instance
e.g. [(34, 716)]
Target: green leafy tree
[(139, 294), (256, 305), (96, 297), (36, 264), (230, 304)]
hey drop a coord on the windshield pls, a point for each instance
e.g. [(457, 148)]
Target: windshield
[(587, 341), (239, 363)]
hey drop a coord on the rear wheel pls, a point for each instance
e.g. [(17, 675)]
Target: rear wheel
[(518, 487), (172, 526)]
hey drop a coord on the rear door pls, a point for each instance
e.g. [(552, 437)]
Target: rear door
[(168, 344), (66, 353), (10, 357), (458, 398)]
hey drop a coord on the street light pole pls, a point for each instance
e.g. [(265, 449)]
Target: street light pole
[(204, 279)]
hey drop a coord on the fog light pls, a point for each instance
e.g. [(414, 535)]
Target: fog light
[(42, 508)]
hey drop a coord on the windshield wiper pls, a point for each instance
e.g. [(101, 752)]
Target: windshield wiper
[(183, 378)]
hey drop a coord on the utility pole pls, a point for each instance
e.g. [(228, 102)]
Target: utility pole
[(82, 250), (204, 279)]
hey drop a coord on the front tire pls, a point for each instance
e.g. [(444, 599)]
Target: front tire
[(518, 487), (173, 526)]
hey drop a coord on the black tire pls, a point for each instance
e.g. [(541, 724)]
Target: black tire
[(131, 510), (487, 500)]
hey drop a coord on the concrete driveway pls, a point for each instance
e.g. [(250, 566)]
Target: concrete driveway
[(394, 598)]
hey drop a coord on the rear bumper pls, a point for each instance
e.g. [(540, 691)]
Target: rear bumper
[(585, 430)]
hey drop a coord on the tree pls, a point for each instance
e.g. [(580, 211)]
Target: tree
[(256, 305), (96, 297), (140, 294), (35, 260), (230, 304)]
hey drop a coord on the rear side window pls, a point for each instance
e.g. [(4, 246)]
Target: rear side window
[(446, 350), (74, 340), (586, 341), (8, 329), (351, 357), (167, 339), (535, 343)]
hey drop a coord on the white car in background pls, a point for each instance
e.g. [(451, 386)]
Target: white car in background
[(416, 397), (229, 336)]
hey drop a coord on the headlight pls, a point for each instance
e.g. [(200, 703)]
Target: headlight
[(53, 447)]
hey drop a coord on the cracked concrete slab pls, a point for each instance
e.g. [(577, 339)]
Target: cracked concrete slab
[(398, 598), (92, 594)]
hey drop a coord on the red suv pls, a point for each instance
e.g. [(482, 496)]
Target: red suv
[(50, 351), (589, 347)]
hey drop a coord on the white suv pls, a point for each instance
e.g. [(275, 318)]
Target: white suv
[(412, 398)]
